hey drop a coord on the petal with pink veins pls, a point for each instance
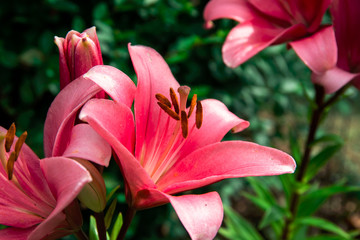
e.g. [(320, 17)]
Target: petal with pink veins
[(15, 233), (218, 161)]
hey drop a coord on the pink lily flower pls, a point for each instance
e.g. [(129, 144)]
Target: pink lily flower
[(37, 196), (264, 23), (333, 56), (170, 148), (78, 52)]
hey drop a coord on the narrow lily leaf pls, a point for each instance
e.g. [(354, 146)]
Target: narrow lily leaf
[(117, 227), (108, 197), (329, 138), (272, 216), (261, 203), (323, 224), (295, 147), (287, 181), (237, 227), (261, 190), (320, 160), (325, 237), (93, 233), (314, 199), (109, 214)]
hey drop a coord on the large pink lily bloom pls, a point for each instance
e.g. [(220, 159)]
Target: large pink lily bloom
[(78, 52), (264, 23), (167, 149), (37, 196), (334, 56)]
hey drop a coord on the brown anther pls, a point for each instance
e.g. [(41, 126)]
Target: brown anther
[(20, 142), (169, 111), (10, 165), (161, 98), (199, 115), (174, 100), (184, 124), (9, 138), (192, 105)]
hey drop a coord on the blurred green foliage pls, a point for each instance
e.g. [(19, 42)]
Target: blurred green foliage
[(268, 90)]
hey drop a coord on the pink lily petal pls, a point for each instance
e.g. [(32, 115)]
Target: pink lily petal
[(92, 35), (114, 82), (66, 178), (17, 218), (114, 116), (312, 12), (247, 39), (274, 8), (216, 117), (61, 117), (86, 55), (319, 51), (154, 76), (333, 79), (239, 10), (15, 233), (86, 144), (60, 120), (63, 68), (346, 18), (201, 215), (121, 115), (222, 160)]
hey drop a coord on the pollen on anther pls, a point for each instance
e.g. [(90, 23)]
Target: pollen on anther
[(169, 111), (184, 124), (192, 105), (161, 98), (9, 138), (174, 100), (10, 165), (198, 115), (20, 142)]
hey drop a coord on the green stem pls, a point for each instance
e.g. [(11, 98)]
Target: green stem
[(127, 221), (316, 117)]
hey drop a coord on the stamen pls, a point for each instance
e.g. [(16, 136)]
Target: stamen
[(184, 93), (192, 105), (184, 124), (161, 98), (199, 115), (10, 165), (20, 142), (9, 138), (174, 100), (169, 111)]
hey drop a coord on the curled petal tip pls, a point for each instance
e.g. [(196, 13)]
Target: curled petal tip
[(208, 24)]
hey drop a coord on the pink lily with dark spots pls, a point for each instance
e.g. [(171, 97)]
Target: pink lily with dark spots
[(264, 23), (333, 54), (37, 196), (168, 147)]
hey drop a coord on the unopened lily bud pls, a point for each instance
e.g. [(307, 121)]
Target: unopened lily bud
[(78, 52), (93, 195)]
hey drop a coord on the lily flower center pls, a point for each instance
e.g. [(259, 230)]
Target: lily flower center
[(164, 152), (7, 140)]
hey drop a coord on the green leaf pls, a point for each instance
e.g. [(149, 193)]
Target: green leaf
[(109, 213), (117, 227), (311, 201), (320, 160), (261, 190), (108, 197), (295, 147), (322, 224), (287, 181), (261, 203), (272, 215), (237, 227), (93, 233)]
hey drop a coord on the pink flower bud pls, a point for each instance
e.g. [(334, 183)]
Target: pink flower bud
[(78, 52)]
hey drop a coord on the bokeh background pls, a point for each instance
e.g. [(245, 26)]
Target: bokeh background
[(270, 91)]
